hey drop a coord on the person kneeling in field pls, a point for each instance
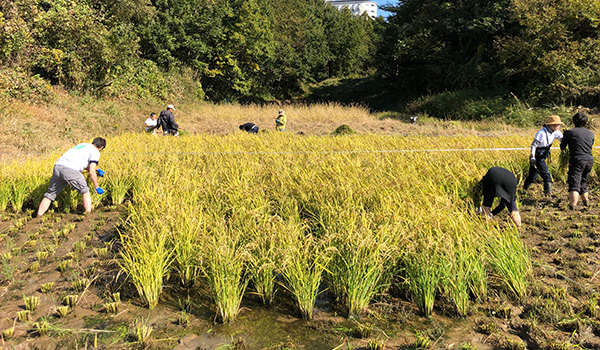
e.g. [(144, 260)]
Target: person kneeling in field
[(540, 150), (67, 170), (580, 141), (497, 182)]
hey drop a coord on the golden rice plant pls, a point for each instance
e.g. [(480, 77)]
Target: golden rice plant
[(34, 267), (263, 255), (185, 237), (42, 255), (5, 192), (19, 191), (89, 272), (64, 265), (111, 307), (118, 184), (360, 194), (68, 199), (101, 253), (510, 261), (364, 255), (424, 270), (42, 327), (375, 344), (145, 255), (305, 261), (224, 268)]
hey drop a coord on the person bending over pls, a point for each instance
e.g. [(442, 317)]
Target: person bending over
[(579, 141), (497, 182), (67, 170), (249, 128)]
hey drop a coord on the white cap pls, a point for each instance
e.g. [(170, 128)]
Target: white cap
[(171, 107)]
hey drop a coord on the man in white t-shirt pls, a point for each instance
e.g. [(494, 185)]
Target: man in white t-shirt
[(151, 123), (67, 170)]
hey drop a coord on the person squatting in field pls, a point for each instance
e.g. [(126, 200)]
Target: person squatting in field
[(166, 120), (249, 128), (580, 142), (151, 124), (67, 170), (540, 150), (497, 182)]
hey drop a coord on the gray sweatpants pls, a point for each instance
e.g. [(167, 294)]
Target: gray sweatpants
[(61, 176)]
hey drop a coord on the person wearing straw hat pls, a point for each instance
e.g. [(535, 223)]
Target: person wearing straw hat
[(580, 142), (281, 120), (540, 150), (497, 182)]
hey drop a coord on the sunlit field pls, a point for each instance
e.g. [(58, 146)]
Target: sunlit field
[(280, 215), (253, 211)]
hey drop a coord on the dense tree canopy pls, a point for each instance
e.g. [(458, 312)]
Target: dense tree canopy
[(256, 50), (543, 50), (226, 49)]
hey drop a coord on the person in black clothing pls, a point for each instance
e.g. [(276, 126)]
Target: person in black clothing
[(580, 141), (497, 182), (250, 128), (166, 120)]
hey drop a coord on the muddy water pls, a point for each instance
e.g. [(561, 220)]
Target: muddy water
[(276, 326)]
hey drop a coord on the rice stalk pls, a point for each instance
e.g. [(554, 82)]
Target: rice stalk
[(305, 262), (146, 257), (510, 261), (424, 271), (19, 193), (224, 269)]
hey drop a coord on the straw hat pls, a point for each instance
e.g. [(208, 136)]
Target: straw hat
[(281, 112), (553, 120)]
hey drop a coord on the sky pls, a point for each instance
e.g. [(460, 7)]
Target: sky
[(381, 3)]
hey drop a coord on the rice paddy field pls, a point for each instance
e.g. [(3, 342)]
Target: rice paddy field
[(285, 241)]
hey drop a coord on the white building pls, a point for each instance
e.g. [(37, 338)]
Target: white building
[(357, 7)]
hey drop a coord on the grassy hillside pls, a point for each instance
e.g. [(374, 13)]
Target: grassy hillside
[(67, 119)]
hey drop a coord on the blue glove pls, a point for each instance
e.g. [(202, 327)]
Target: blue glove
[(99, 190), (100, 172), (276, 120)]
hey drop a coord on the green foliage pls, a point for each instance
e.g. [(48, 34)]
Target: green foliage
[(186, 49), (544, 51), (343, 130), (554, 56)]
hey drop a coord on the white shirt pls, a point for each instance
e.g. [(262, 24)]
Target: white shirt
[(79, 157), (151, 122), (545, 137)]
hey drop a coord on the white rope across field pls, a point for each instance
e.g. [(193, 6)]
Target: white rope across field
[(307, 152)]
